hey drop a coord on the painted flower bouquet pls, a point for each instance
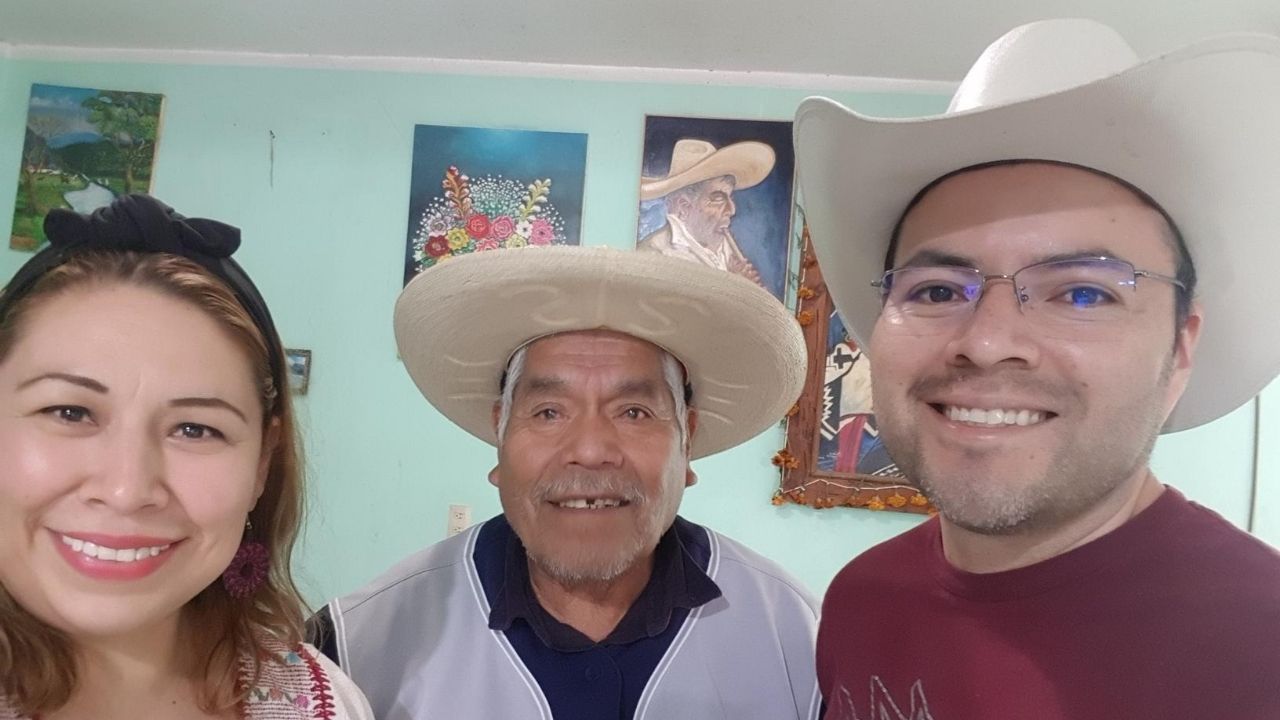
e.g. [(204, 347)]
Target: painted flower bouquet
[(486, 213)]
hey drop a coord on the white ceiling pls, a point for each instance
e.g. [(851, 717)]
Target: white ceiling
[(917, 39)]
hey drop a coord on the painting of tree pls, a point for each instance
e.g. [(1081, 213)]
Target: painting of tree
[(83, 147), (129, 121)]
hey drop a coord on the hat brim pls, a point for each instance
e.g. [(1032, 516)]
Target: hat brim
[(748, 163), (458, 324), (1197, 129)]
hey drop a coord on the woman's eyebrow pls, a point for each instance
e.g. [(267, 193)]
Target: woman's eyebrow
[(208, 402), (80, 380)]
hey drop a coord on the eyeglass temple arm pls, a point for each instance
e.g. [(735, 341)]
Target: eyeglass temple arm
[(1162, 278)]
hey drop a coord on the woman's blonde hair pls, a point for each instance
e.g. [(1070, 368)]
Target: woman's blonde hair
[(38, 669)]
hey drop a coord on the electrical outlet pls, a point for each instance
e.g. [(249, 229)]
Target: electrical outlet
[(459, 519)]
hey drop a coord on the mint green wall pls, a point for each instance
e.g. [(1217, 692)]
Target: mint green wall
[(323, 233), (1267, 507), (4, 74)]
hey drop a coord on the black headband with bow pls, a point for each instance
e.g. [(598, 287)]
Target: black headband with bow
[(141, 223)]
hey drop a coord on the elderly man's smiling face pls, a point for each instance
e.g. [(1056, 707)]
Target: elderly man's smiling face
[(591, 467), (1087, 378)]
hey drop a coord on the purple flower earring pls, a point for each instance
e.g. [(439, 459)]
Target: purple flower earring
[(248, 569)]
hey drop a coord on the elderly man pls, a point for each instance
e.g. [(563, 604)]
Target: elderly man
[(698, 193), (599, 374), (1034, 333)]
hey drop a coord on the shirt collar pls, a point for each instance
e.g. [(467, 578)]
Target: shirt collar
[(677, 581)]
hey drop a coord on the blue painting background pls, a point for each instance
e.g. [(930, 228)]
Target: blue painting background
[(762, 225), (524, 155)]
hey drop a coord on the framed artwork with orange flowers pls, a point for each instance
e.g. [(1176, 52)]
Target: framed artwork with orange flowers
[(834, 455), (476, 189)]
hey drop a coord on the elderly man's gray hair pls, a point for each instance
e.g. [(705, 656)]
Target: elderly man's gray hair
[(672, 373)]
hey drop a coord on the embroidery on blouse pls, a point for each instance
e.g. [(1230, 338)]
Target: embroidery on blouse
[(294, 687)]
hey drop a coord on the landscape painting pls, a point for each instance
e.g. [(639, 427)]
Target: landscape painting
[(83, 147)]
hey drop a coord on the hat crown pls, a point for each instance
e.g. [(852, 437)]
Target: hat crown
[(1041, 58), (687, 153)]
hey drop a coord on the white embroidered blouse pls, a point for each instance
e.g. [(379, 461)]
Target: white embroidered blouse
[(302, 685)]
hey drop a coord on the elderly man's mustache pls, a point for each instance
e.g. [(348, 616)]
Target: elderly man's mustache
[(591, 484)]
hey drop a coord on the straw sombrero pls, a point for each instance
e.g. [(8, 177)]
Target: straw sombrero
[(459, 322), (693, 161)]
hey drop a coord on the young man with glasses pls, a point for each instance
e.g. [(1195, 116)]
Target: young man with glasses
[(1032, 333)]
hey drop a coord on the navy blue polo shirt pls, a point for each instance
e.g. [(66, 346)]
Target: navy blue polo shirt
[(579, 677)]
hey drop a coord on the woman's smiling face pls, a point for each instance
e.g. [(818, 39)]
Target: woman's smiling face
[(132, 431)]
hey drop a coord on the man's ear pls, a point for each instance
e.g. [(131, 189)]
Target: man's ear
[(1184, 348), (497, 417), (270, 441), (691, 422), (690, 477)]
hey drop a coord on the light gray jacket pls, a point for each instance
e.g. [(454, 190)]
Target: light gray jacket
[(417, 642)]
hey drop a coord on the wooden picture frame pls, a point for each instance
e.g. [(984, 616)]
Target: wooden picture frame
[(805, 480)]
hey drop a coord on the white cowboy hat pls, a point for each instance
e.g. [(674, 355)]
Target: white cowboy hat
[(693, 161), (458, 323), (1198, 129)]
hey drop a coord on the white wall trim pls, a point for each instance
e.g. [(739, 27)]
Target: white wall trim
[(5, 49), (443, 66)]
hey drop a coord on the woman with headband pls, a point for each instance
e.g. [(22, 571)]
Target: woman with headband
[(151, 488)]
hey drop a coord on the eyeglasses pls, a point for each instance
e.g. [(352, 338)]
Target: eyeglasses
[(1072, 291)]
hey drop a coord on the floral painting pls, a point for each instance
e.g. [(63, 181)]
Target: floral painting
[(83, 147), (476, 189)]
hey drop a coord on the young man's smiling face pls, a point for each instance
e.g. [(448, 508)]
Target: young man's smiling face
[(1080, 401)]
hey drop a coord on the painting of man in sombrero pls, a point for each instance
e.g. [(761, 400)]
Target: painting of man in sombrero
[(718, 192)]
